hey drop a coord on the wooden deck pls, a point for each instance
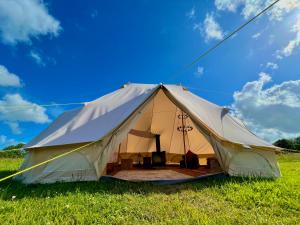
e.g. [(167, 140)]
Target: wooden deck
[(170, 172)]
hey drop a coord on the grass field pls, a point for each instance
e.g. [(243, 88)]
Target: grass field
[(225, 201)]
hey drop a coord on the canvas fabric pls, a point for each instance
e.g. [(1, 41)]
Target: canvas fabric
[(147, 108)]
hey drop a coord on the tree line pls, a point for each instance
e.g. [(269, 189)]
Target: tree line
[(11, 147), (12, 151), (293, 144)]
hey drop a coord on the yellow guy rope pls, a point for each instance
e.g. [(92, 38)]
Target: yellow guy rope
[(44, 162)]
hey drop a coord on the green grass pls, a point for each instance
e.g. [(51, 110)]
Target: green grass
[(224, 201)]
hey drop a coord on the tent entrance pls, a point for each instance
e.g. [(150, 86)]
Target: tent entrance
[(164, 143)]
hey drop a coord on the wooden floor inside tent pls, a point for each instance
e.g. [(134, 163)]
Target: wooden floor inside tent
[(164, 173), (149, 175)]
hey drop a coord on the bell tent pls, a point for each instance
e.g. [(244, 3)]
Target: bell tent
[(147, 126)]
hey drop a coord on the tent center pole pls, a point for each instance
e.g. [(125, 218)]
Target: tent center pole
[(183, 137)]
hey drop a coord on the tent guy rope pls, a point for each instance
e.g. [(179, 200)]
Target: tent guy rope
[(235, 31), (186, 67)]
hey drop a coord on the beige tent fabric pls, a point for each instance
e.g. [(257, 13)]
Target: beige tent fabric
[(254, 163), (161, 117), (71, 168), (215, 118), (153, 109), (96, 119), (240, 161)]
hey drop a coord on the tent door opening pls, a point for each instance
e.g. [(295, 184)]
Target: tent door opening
[(163, 144)]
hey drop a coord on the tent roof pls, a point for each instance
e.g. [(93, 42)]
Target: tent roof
[(99, 117)]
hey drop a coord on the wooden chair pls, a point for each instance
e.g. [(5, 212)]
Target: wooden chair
[(147, 162)]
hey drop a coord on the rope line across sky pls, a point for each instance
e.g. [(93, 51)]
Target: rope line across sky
[(25, 107)]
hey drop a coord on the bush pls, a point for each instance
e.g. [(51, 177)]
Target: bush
[(12, 154), (284, 143), (293, 144), (12, 151), (11, 147)]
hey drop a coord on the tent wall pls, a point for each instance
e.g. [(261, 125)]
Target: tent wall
[(76, 166), (237, 160), (254, 163)]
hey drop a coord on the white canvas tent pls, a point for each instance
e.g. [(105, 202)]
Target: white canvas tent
[(110, 121)]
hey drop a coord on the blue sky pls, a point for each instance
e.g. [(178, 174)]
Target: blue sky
[(53, 53)]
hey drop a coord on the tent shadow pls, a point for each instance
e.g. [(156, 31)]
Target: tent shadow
[(5, 173), (11, 188)]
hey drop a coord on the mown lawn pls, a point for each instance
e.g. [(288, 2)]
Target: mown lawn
[(223, 201)]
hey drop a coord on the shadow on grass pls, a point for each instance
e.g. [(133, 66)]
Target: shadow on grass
[(11, 187), (5, 173)]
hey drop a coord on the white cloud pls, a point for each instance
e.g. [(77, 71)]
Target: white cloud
[(14, 126), (270, 112), (191, 14), (22, 20), (14, 109), (211, 28), (5, 141), (8, 79), (272, 65), (37, 58), (41, 59), (199, 72), (256, 36), (250, 8), (292, 44), (282, 7), (230, 5)]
